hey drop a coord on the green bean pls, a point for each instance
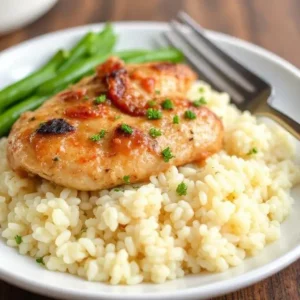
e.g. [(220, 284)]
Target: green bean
[(104, 42), (8, 118), (22, 88), (71, 75), (126, 54), (79, 50), (166, 54)]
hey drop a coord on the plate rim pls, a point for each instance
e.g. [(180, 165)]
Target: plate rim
[(227, 38), (208, 290)]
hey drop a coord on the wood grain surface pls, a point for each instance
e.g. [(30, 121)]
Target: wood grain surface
[(274, 25)]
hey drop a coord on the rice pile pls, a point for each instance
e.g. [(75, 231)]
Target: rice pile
[(233, 208)]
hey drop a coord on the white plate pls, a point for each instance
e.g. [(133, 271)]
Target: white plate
[(24, 272)]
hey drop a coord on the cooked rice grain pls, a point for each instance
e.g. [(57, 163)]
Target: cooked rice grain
[(233, 208)]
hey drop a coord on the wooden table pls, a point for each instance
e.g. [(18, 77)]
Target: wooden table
[(274, 25)]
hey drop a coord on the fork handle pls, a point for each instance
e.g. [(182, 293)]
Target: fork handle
[(286, 122)]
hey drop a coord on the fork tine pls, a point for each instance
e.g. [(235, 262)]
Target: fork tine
[(220, 72), (193, 63), (249, 76), (199, 68)]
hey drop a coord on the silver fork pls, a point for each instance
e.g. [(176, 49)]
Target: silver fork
[(247, 90)]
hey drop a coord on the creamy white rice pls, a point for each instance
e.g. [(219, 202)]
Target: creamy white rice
[(233, 208)]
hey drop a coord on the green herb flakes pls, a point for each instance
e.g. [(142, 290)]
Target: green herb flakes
[(126, 179), (100, 99), (176, 119), (190, 115), (126, 129), (252, 151), (154, 132), (167, 154), (181, 189), (167, 104), (97, 137), (199, 102), (153, 114), (18, 239), (40, 260), (151, 103)]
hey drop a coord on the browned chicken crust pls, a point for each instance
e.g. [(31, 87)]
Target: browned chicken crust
[(78, 140)]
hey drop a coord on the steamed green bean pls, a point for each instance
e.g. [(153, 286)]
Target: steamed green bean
[(22, 88)]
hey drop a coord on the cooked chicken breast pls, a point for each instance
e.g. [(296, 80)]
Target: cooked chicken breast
[(124, 124)]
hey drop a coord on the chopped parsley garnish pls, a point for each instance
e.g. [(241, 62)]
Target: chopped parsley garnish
[(157, 92), (102, 133), (100, 99), (126, 179), (40, 260), (167, 104), (181, 189), (126, 129), (199, 102), (189, 115), (117, 190), (201, 89), (117, 117), (153, 114), (151, 103), (154, 132), (167, 154), (86, 97), (97, 137), (56, 158), (252, 151), (176, 120), (18, 239)]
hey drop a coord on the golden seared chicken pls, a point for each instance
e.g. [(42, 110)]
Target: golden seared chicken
[(124, 124)]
